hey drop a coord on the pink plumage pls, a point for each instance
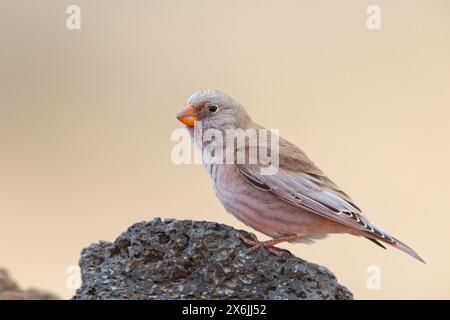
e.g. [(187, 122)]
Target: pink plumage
[(298, 203)]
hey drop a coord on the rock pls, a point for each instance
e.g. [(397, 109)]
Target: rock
[(9, 290), (187, 259), (6, 283)]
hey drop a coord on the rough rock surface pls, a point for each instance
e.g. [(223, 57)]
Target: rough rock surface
[(9, 290), (187, 259)]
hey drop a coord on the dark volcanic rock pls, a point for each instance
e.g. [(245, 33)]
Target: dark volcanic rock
[(187, 259)]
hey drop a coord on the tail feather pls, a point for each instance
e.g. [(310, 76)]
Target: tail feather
[(401, 246), (376, 242), (386, 238)]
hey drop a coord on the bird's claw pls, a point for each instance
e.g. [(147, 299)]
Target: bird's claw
[(251, 242), (256, 244)]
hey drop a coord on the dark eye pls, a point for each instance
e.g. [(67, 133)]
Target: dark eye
[(213, 108)]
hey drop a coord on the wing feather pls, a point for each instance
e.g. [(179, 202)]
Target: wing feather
[(302, 184)]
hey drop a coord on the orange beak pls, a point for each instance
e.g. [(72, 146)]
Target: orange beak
[(188, 115)]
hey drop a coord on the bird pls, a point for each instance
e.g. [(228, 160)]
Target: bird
[(297, 204)]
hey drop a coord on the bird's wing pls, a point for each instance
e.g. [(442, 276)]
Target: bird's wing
[(312, 192), (317, 194), (302, 184)]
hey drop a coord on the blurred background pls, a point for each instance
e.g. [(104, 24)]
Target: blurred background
[(86, 118)]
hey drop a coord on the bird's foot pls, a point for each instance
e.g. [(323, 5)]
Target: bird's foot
[(251, 242), (269, 244)]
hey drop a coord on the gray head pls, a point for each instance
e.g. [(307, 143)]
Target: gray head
[(216, 110)]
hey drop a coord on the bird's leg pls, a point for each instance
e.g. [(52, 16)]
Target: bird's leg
[(269, 244)]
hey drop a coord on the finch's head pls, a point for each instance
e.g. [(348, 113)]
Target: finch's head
[(215, 109)]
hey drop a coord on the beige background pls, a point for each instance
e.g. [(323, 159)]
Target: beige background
[(86, 118)]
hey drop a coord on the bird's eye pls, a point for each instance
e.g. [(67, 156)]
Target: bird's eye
[(213, 108)]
